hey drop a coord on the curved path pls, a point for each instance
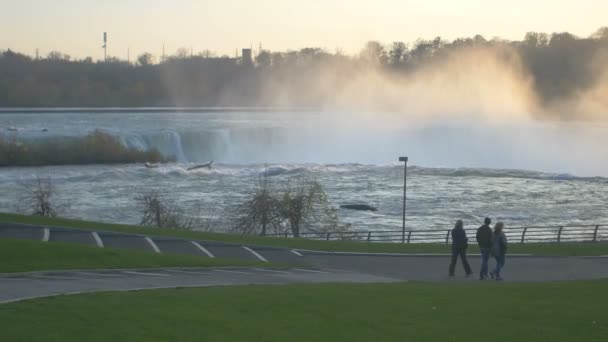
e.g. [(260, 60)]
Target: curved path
[(324, 266), (21, 286)]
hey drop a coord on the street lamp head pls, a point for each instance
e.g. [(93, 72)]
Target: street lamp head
[(403, 159)]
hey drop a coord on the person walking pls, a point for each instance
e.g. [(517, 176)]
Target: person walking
[(485, 239), (459, 248), (499, 250)]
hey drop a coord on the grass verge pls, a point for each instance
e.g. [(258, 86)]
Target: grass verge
[(561, 249), (24, 256), (566, 311)]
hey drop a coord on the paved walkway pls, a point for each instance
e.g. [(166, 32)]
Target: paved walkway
[(435, 268), (15, 287), (324, 266)]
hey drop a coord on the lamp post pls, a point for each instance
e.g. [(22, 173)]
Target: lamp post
[(404, 159)]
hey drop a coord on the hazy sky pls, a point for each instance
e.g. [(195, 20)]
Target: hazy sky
[(76, 26)]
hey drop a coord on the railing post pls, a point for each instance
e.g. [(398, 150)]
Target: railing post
[(595, 233), (409, 236), (328, 234), (447, 237), (369, 236), (523, 235), (559, 234)]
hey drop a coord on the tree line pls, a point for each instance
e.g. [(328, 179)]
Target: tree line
[(560, 64)]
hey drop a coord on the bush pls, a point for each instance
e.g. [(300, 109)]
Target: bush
[(95, 148), (157, 211), (39, 197)]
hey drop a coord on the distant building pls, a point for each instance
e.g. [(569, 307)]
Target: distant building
[(246, 57)]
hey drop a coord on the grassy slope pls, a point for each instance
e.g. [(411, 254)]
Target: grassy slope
[(538, 249), (570, 311), (24, 255)]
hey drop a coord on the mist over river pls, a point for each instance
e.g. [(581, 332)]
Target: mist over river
[(519, 171)]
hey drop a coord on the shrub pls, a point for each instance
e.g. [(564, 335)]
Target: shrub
[(96, 148)]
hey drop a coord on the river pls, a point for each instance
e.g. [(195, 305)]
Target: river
[(521, 172)]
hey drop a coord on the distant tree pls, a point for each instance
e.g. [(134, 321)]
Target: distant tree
[(114, 60), (438, 43), (263, 59), (422, 51), (601, 34), (397, 53), (535, 39), (207, 54), (57, 56), (479, 39), (563, 38), (182, 53), (463, 42), (310, 55), (290, 58), (277, 59), (374, 53), (14, 56), (145, 58)]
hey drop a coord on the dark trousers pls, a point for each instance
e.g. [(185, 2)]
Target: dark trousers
[(500, 263), (485, 257), (463, 256)]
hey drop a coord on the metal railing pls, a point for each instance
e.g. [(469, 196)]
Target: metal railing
[(523, 234)]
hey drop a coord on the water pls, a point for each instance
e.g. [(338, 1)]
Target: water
[(465, 170)]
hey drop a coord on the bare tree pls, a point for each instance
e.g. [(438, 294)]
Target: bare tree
[(39, 197), (157, 211), (304, 206), (300, 206), (261, 212)]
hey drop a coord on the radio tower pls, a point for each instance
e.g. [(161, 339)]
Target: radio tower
[(105, 45)]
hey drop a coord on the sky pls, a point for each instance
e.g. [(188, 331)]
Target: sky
[(76, 27)]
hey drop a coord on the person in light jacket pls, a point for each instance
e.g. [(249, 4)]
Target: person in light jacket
[(499, 250), (459, 248)]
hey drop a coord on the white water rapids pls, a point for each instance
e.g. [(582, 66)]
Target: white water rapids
[(460, 169)]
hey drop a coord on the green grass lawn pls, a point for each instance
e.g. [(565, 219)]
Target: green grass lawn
[(25, 255), (350, 246), (567, 311)]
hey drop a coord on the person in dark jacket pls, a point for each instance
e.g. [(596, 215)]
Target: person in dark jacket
[(485, 239), (499, 250), (459, 248)]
